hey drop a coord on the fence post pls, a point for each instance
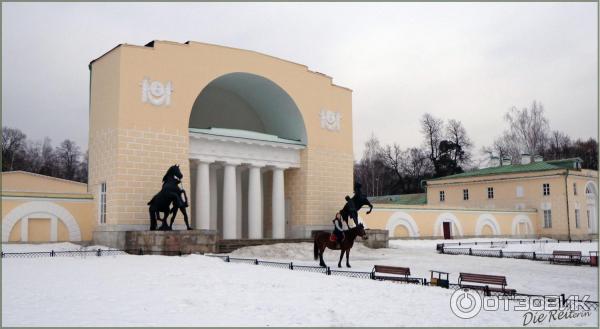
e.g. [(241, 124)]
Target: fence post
[(292, 266), (520, 242), (141, 252), (459, 243), (501, 254), (98, 252), (328, 272), (470, 252), (256, 261), (534, 255), (227, 259), (51, 253)]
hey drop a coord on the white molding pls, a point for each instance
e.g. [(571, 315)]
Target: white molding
[(403, 219), (487, 219), (34, 198), (447, 217), (211, 148), (522, 219), (49, 209)]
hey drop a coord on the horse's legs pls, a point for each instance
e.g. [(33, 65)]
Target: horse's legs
[(321, 250), (347, 258), (164, 226), (174, 211), (152, 219), (341, 257), (185, 218)]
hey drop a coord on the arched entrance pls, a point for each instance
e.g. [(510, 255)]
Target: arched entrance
[(401, 224), (40, 209), (487, 225), (591, 193), (245, 132)]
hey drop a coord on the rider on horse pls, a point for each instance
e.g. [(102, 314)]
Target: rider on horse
[(338, 228)]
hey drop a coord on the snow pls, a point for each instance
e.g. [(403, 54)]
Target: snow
[(42, 247), (196, 290)]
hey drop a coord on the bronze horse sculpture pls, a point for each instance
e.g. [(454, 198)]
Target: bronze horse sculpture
[(170, 193), (322, 241)]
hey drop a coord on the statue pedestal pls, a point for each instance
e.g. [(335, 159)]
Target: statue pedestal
[(171, 242)]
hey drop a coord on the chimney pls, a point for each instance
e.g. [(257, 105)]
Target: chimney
[(525, 158), (494, 161), (506, 161), (538, 158)]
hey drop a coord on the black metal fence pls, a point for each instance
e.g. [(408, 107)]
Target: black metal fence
[(510, 254), (507, 242)]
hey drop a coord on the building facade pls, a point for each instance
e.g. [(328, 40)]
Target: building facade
[(265, 145), (554, 199)]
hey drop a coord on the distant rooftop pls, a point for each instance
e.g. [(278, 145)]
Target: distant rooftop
[(402, 199), (571, 163)]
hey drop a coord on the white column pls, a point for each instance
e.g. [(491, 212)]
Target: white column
[(24, 229), (229, 202), (202, 197), (53, 228), (238, 190), (255, 227), (214, 197), (278, 204)]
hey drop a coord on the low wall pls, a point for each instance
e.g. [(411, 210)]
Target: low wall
[(192, 241), (377, 239)]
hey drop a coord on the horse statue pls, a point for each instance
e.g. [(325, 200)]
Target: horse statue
[(353, 205), (170, 193), (323, 241)]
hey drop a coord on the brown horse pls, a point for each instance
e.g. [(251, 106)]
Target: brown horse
[(322, 241)]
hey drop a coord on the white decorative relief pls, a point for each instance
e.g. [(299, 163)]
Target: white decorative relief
[(330, 120), (156, 93)]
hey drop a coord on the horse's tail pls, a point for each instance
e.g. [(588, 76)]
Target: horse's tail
[(316, 248)]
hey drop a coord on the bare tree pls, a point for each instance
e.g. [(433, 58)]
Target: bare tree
[(13, 142), (432, 130), (529, 128), (559, 146), (68, 154), (456, 133)]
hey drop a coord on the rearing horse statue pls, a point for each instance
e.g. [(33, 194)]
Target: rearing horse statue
[(169, 194), (353, 206)]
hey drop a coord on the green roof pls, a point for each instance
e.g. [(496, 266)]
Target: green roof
[(405, 199), (517, 168)]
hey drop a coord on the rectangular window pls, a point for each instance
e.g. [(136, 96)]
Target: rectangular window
[(577, 222), (490, 192), (574, 188), (588, 218), (546, 188), (547, 218), (466, 194), (519, 191), (442, 196), (102, 204)]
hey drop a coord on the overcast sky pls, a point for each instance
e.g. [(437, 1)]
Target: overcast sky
[(469, 61)]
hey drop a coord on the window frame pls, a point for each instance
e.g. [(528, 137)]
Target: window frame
[(490, 193), (102, 204), (442, 196), (546, 189), (577, 218), (547, 218), (466, 194), (574, 188)]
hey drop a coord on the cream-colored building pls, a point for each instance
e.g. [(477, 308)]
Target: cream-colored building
[(265, 145), (38, 208), (554, 199)]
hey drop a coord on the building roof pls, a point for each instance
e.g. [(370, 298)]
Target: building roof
[(516, 168), (23, 181), (403, 199)]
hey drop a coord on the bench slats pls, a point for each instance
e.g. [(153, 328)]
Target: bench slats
[(391, 270)]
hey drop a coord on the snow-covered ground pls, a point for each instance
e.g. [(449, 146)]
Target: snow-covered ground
[(197, 290)]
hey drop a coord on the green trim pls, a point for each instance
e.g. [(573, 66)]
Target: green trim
[(403, 199), (383, 207)]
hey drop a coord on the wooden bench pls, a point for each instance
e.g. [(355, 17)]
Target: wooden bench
[(485, 281), (400, 274), (566, 256)]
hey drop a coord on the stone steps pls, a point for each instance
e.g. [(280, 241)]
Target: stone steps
[(227, 246)]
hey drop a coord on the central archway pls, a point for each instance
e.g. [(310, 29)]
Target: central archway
[(246, 101), (245, 131)]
